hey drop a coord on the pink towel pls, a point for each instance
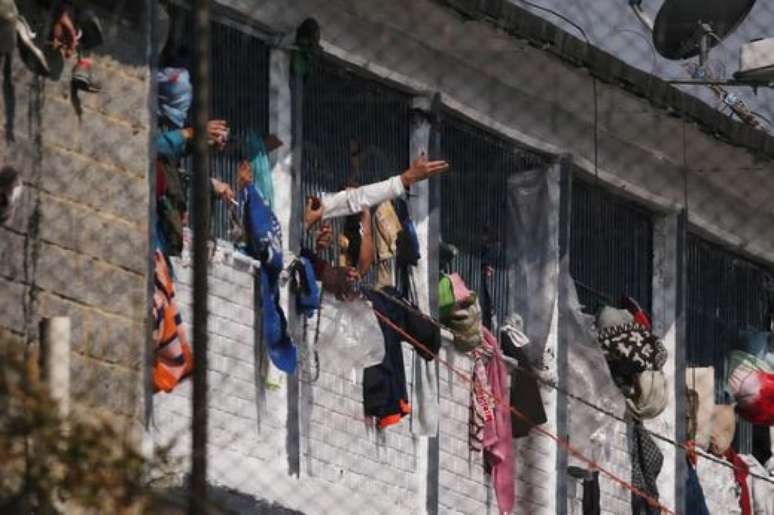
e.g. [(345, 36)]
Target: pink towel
[(498, 449)]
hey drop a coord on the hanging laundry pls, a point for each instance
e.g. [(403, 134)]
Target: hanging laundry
[(588, 375), (304, 283), (254, 150), (174, 359), (694, 495), (630, 349), (741, 473), (702, 381), (264, 243), (384, 386), (532, 250), (350, 336), (647, 461), (762, 489), (496, 441), (650, 395), (723, 428), (175, 95), (464, 316), (752, 388), (387, 227), (525, 390)]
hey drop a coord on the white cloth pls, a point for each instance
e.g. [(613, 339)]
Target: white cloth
[(425, 401), (762, 491), (354, 200), (350, 336)]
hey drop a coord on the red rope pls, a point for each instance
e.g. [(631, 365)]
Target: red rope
[(560, 441)]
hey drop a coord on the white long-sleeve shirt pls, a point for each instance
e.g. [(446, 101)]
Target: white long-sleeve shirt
[(354, 200)]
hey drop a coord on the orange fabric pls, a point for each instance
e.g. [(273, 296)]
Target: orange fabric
[(174, 359)]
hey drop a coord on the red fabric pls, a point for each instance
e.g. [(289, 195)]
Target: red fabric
[(641, 318), (755, 397), (741, 471)]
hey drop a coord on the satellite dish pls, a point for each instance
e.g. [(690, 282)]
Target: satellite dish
[(687, 28)]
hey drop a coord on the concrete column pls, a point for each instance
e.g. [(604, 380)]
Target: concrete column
[(665, 316), (425, 276), (285, 171)]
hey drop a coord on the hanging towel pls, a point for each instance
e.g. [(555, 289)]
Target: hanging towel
[(498, 449), (264, 243), (174, 359), (482, 404), (350, 336), (255, 152)]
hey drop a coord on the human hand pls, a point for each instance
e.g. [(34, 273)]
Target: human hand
[(422, 169), (324, 238), (223, 190), (313, 212), (64, 37), (217, 131)]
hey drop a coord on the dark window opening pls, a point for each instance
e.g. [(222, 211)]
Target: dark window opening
[(474, 201), (344, 112), (239, 94), (727, 294), (611, 248)]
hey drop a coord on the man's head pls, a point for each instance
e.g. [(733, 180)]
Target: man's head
[(245, 174), (10, 191)]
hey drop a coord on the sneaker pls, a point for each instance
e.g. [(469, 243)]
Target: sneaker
[(30, 53), (83, 78)]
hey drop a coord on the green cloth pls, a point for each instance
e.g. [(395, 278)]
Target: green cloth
[(256, 153), (445, 297)]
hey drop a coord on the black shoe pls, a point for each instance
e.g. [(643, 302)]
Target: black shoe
[(83, 78), (30, 53)]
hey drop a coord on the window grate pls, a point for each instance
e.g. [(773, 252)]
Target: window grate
[(474, 201), (727, 294), (611, 247), (239, 93), (340, 107)]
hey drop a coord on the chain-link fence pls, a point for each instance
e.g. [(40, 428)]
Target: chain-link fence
[(419, 256)]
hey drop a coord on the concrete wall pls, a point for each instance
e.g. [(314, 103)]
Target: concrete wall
[(78, 245)]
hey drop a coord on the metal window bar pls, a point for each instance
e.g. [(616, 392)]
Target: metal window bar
[(474, 200), (611, 247), (727, 294), (239, 85), (341, 107)]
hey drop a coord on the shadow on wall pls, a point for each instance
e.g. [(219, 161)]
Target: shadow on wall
[(225, 502)]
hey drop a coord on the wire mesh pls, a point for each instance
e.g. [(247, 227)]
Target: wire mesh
[(654, 153)]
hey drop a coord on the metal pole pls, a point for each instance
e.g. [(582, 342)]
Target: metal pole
[(55, 360), (200, 213)]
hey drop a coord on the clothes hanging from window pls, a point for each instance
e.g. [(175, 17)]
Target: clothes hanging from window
[(752, 388), (174, 359), (591, 494), (650, 395), (741, 472), (702, 381), (255, 152), (525, 390), (496, 433), (762, 489), (482, 404), (384, 386), (264, 243), (631, 349), (532, 251), (694, 494), (647, 461)]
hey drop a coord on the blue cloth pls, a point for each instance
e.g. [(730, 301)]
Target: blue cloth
[(308, 296), (175, 95), (171, 145), (255, 152), (694, 495), (264, 243)]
